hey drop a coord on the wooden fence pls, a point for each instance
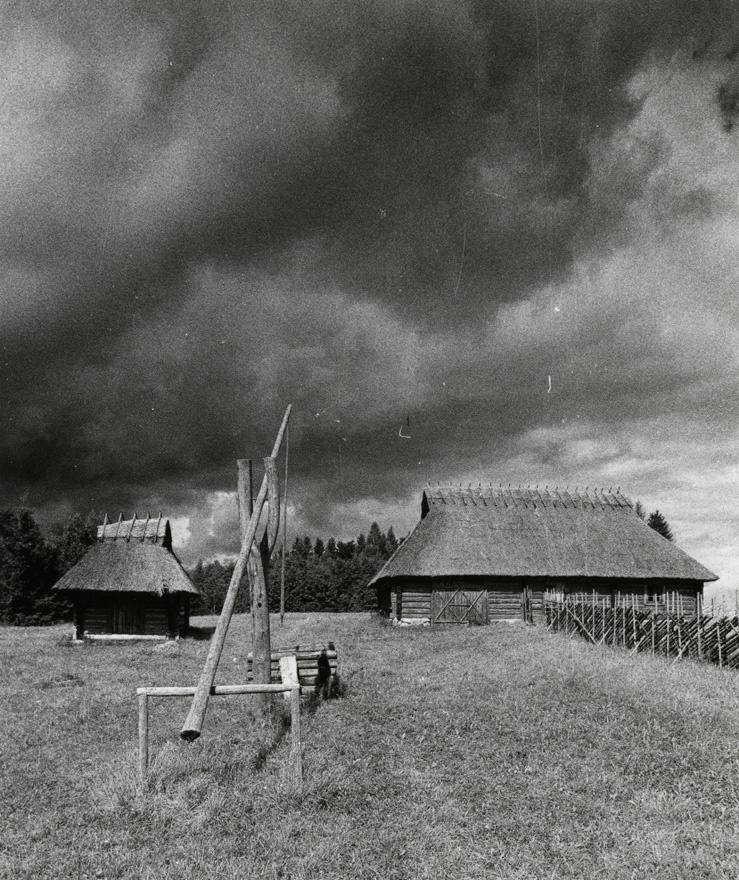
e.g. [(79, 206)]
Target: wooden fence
[(671, 633)]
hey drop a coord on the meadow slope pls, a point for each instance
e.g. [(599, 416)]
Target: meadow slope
[(491, 752)]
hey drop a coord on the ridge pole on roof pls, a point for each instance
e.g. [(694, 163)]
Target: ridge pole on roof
[(146, 526), (130, 529), (194, 721), (159, 522), (105, 523), (120, 520)]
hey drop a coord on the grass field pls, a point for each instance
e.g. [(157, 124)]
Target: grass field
[(492, 752)]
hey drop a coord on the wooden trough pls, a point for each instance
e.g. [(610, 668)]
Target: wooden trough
[(317, 664)]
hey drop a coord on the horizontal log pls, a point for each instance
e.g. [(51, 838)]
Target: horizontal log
[(303, 661), (219, 690), (303, 654), (309, 682), (303, 671)]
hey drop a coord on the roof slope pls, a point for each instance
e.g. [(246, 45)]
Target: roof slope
[(133, 557), (536, 533)]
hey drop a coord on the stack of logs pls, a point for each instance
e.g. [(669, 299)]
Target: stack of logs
[(317, 664)]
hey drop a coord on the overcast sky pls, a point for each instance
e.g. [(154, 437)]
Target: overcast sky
[(492, 241)]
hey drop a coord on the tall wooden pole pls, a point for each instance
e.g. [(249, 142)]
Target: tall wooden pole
[(194, 721), (261, 645), (284, 536)]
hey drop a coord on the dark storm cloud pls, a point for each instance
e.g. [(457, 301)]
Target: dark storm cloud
[(210, 209)]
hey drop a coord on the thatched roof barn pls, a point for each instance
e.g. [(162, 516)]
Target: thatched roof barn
[(491, 553), (130, 583)]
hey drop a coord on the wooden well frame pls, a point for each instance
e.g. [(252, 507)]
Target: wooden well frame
[(290, 688)]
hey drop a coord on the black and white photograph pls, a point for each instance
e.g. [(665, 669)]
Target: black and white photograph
[(369, 461)]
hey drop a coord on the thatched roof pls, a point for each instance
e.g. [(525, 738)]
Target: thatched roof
[(536, 533), (133, 556)]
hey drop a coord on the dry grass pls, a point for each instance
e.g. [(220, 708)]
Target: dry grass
[(492, 752)]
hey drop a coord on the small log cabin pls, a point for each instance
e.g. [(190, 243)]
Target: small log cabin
[(487, 553), (130, 583)]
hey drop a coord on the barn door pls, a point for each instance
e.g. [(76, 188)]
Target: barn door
[(127, 615), (459, 606), (527, 611)]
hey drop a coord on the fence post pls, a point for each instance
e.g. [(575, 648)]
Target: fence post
[(623, 624), (718, 639), (669, 627), (297, 756), (143, 737), (633, 618)]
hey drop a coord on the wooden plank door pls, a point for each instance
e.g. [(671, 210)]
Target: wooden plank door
[(459, 606), (527, 610), (127, 615)]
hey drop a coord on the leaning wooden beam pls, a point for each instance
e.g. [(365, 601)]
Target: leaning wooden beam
[(194, 721), (273, 502), (292, 689), (245, 502)]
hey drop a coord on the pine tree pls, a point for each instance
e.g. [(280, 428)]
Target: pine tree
[(345, 549), (28, 570), (640, 512), (657, 522)]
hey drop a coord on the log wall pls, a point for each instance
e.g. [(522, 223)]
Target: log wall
[(513, 599), (133, 614)]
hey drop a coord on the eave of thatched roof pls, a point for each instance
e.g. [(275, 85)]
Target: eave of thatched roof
[(123, 566), (499, 532)]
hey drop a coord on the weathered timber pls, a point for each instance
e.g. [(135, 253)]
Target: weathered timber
[(671, 633), (273, 502), (143, 699), (225, 690), (289, 671), (312, 661), (194, 721)]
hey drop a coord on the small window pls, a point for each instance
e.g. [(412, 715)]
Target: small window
[(653, 597)]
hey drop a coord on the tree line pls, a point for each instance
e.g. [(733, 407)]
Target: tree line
[(319, 575), (31, 563)]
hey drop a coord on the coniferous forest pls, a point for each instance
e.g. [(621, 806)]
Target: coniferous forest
[(319, 575), (31, 563)]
